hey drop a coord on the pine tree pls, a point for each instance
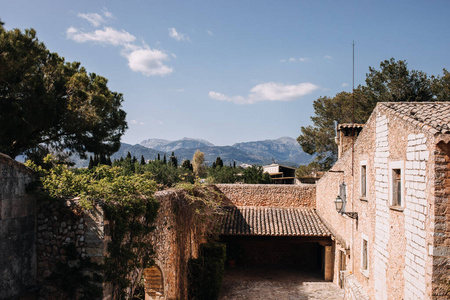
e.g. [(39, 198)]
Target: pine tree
[(108, 161)]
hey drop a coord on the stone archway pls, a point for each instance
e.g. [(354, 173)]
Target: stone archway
[(153, 283)]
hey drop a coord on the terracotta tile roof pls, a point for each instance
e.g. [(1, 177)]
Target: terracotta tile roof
[(432, 116), (350, 125), (272, 221)]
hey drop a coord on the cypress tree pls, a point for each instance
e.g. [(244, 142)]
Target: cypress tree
[(159, 157), (164, 159), (142, 160), (91, 163)]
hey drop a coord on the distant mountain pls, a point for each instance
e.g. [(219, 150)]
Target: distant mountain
[(285, 151), (154, 143), (169, 146), (136, 150), (228, 154), (282, 150)]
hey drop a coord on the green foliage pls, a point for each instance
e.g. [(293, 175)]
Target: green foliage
[(307, 170), (72, 278), (206, 272), (222, 174), (187, 165), (198, 161), (129, 205), (48, 104), (218, 163), (392, 82), (255, 175)]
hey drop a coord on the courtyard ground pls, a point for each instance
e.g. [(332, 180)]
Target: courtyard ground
[(279, 284)]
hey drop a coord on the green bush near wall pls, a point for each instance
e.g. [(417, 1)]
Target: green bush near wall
[(206, 272)]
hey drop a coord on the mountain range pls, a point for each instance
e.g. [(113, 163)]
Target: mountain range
[(285, 151)]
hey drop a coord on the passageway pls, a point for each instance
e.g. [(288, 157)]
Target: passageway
[(276, 283)]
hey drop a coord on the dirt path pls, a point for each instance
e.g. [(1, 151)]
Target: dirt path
[(280, 284)]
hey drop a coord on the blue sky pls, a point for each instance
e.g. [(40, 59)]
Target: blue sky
[(233, 71)]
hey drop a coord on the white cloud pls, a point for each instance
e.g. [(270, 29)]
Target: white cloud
[(328, 56), (344, 84), (106, 13), (173, 33), (135, 122), (271, 91), (303, 59), (283, 60), (209, 32), (292, 59), (141, 58), (93, 18), (148, 61), (107, 36)]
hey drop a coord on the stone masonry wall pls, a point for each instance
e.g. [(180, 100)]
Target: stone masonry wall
[(415, 212), (270, 195), (382, 227), (63, 224), (441, 235), (176, 239), (17, 231), (401, 239)]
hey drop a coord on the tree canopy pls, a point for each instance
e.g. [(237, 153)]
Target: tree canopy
[(393, 82), (47, 102)]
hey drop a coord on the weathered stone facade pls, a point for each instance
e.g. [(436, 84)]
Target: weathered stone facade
[(61, 225), (17, 231), (303, 195), (406, 172)]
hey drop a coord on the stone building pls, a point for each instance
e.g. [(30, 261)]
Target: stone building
[(392, 237)]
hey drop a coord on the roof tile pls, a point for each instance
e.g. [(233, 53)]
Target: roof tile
[(272, 221)]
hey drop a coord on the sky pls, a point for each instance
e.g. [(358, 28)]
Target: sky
[(233, 71)]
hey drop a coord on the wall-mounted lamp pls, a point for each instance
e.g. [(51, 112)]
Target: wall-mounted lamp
[(341, 201)]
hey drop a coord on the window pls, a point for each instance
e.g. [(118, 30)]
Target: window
[(363, 179), (396, 185), (365, 255)]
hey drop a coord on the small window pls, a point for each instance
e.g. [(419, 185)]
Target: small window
[(364, 263), (396, 187), (365, 255), (364, 181)]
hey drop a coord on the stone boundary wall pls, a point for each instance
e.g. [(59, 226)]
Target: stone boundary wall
[(17, 231), (441, 236), (61, 224), (276, 195), (353, 290), (176, 239)]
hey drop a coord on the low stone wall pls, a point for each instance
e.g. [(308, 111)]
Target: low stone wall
[(269, 195), (17, 231)]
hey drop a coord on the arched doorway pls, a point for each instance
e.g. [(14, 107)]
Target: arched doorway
[(153, 283)]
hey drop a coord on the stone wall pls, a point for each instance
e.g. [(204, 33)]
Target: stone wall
[(399, 238), (64, 227), (176, 239), (269, 195), (17, 231), (441, 236), (353, 290)]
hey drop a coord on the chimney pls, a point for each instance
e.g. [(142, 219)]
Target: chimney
[(346, 135)]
